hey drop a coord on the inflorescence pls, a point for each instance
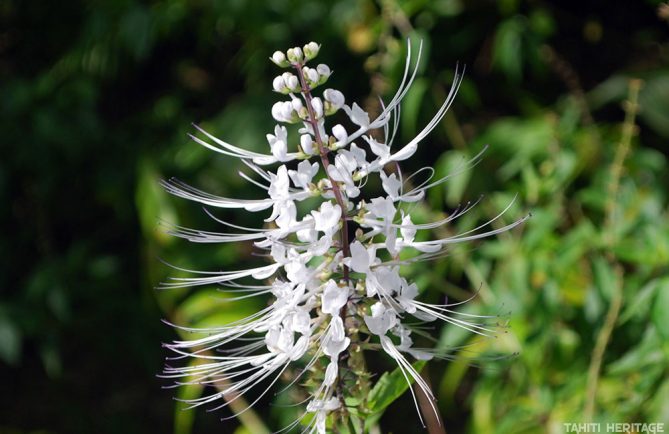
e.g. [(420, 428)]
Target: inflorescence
[(334, 293)]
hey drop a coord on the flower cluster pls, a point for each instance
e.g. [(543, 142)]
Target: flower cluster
[(335, 290)]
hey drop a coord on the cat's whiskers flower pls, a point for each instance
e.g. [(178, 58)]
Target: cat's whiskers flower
[(334, 297)]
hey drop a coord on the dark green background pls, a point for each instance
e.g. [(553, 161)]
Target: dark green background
[(96, 99)]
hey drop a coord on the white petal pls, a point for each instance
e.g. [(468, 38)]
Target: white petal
[(331, 373), (359, 258), (333, 298), (358, 115), (390, 184)]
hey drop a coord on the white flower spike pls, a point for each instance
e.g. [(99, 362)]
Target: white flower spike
[(334, 296)]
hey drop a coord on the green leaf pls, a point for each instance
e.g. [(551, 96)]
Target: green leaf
[(454, 163), (153, 204), (184, 418), (641, 303), (210, 308), (654, 100), (390, 387), (507, 48), (605, 278), (661, 308), (10, 341), (647, 353), (411, 106), (659, 406), (519, 141)]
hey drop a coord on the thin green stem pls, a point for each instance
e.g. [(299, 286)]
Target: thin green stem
[(631, 107)]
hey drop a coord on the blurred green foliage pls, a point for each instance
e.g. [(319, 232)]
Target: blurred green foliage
[(97, 99)]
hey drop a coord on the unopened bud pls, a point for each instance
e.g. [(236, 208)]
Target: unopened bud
[(283, 111), (279, 59), (279, 85), (295, 55), (317, 105), (307, 144), (334, 100), (340, 133), (311, 76), (311, 50), (323, 73), (292, 83), (297, 104)]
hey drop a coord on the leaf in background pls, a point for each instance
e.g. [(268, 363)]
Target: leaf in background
[(648, 246), (660, 313), (152, 203), (411, 106), (646, 353), (10, 339), (184, 418), (209, 308), (137, 31), (454, 163), (520, 141), (446, 7), (640, 305), (612, 90), (389, 387), (507, 48), (653, 98), (605, 278), (659, 406), (654, 101)]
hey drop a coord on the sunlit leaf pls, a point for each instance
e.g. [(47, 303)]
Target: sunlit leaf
[(661, 308), (389, 387)]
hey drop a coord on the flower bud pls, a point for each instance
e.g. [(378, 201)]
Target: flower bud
[(299, 109), (279, 85), (307, 144), (323, 72), (317, 105), (295, 55), (279, 59), (297, 104), (292, 83), (334, 100), (311, 50), (283, 111), (340, 133), (311, 76)]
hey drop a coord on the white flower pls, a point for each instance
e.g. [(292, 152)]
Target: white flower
[(307, 143), (317, 105), (279, 59), (339, 132), (311, 50), (334, 100), (304, 174), (333, 298), (278, 143), (323, 278), (327, 218), (358, 116), (283, 111), (391, 185), (335, 340), (381, 320), (323, 73), (295, 55)]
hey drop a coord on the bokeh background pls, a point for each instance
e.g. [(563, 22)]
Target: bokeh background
[(97, 98)]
